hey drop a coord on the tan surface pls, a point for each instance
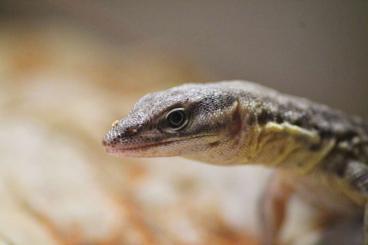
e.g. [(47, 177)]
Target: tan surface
[(58, 186)]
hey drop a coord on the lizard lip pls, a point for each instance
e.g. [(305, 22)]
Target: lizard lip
[(126, 148), (122, 148)]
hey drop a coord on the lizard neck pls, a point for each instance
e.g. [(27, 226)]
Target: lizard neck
[(286, 146), (279, 145)]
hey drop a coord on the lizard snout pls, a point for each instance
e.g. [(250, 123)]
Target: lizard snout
[(111, 138), (118, 135)]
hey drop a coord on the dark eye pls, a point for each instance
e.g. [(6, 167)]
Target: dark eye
[(177, 119)]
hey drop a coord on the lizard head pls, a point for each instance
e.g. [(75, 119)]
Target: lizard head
[(182, 121)]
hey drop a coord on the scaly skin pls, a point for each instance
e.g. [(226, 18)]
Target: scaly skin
[(319, 150)]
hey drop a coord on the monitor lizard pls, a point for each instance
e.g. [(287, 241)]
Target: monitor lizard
[(319, 153)]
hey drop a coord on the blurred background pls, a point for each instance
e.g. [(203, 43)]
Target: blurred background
[(70, 68)]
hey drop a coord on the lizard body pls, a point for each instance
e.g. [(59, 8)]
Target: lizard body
[(238, 122)]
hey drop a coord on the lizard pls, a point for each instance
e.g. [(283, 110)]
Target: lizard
[(318, 153)]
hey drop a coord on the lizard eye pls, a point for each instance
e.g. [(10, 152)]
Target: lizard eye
[(177, 119)]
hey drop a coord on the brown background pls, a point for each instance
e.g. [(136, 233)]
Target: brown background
[(316, 49)]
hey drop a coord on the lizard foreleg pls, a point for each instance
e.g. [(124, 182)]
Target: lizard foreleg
[(356, 173), (273, 208)]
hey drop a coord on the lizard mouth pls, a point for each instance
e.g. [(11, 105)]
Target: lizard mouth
[(142, 147), (121, 149)]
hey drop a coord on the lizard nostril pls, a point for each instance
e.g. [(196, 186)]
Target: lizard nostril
[(131, 131)]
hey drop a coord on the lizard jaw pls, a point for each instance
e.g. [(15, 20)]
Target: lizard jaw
[(172, 147), (134, 150)]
